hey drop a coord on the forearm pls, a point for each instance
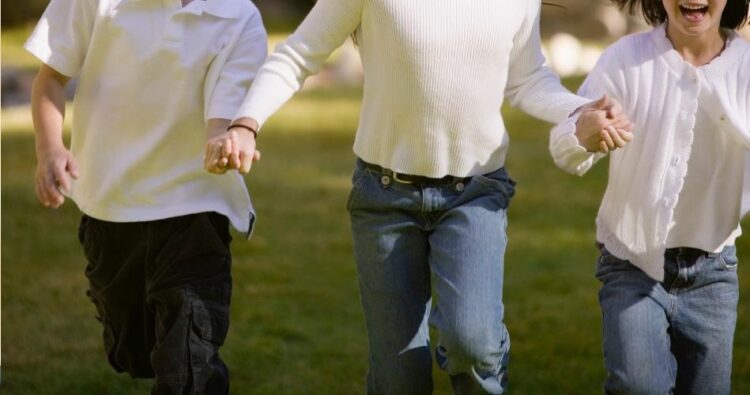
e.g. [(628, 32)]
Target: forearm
[(48, 111), (543, 97)]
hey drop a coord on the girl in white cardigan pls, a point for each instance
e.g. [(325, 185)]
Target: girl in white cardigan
[(670, 214)]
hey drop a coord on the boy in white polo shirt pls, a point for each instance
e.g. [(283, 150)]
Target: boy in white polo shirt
[(157, 79)]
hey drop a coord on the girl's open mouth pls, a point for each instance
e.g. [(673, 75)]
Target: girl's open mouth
[(693, 12)]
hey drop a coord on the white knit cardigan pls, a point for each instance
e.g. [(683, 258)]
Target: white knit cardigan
[(660, 93)]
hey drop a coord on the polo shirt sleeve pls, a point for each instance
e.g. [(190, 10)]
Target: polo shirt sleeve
[(62, 36), (238, 71)]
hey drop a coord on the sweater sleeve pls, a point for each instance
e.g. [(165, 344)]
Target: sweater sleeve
[(566, 151), (532, 86), (325, 28)]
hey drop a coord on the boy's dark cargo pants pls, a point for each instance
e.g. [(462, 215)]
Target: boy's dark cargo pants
[(162, 290)]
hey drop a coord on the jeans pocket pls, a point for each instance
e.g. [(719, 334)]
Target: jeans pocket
[(357, 178), (728, 258), (608, 264), (498, 180)]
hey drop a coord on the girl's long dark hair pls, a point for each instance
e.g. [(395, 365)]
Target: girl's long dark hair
[(734, 16)]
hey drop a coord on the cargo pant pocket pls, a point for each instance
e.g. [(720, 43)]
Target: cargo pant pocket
[(209, 324)]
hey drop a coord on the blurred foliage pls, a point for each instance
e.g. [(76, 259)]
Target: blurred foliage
[(283, 15), (18, 12), (278, 14)]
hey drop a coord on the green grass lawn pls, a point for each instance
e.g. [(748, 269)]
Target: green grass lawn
[(296, 321)]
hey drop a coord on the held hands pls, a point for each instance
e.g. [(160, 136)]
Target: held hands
[(55, 171), (603, 127), (232, 150)]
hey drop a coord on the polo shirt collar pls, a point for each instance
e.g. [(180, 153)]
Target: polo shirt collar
[(229, 9), (222, 8)]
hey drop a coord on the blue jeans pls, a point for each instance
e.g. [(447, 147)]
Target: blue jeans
[(674, 336), (412, 238)]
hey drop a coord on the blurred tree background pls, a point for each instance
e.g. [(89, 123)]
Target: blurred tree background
[(283, 15), (586, 19), (278, 14)]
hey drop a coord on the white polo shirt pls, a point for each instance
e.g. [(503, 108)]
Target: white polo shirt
[(151, 74)]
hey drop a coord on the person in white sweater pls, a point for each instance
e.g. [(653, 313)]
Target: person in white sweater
[(430, 191), (670, 214)]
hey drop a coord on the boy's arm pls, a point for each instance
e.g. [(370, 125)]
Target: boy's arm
[(235, 149), (56, 166)]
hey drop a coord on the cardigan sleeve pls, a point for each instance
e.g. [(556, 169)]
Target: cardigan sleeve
[(564, 146), (326, 27)]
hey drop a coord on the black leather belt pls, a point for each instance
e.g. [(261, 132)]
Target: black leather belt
[(414, 179), (689, 254)]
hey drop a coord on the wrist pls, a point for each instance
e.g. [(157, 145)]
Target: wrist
[(45, 148), (248, 125)]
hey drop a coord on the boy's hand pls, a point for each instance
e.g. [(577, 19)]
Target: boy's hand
[(55, 172), (603, 127), (234, 149)]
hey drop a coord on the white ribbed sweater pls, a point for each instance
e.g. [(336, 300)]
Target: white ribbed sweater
[(436, 73), (662, 94)]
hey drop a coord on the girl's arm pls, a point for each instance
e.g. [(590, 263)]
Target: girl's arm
[(532, 86), (567, 146), (328, 25)]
